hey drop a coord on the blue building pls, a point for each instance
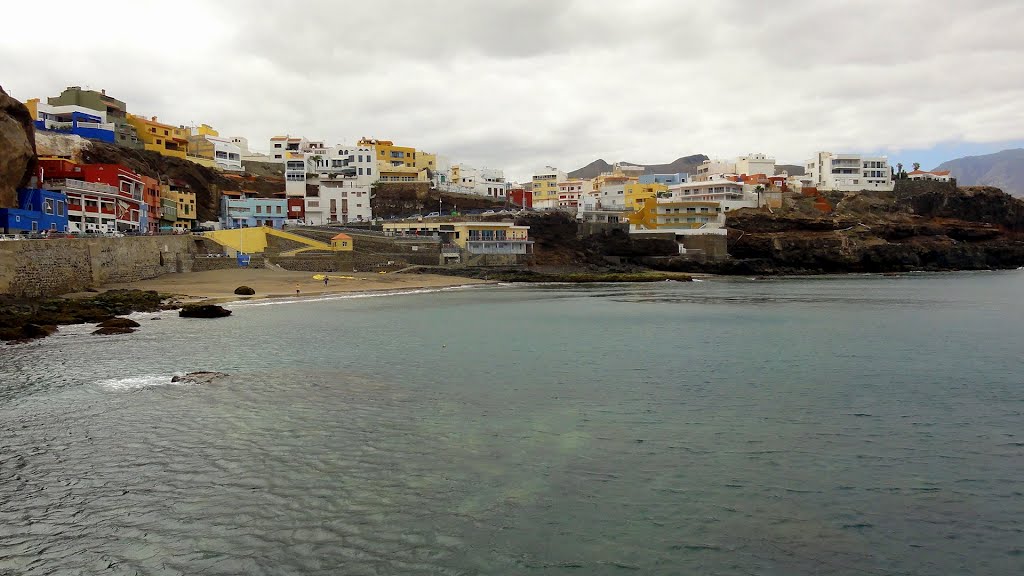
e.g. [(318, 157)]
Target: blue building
[(666, 179), (37, 210), (69, 121), (241, 211)]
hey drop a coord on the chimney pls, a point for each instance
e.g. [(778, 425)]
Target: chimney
[(103, 91)]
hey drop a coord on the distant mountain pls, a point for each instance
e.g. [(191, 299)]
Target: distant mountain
[(1003, 170), (686, 164)]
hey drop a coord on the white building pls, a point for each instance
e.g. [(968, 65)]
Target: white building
[(465, 179), (710, 167), (281, 145), (612, 196), (848, 172), (936, 175), (243, 146), (755, 164), (338, 201)]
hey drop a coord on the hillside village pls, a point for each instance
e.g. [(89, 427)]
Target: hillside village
[(104, 171)]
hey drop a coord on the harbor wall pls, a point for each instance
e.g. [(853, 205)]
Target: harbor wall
[(35, 268)]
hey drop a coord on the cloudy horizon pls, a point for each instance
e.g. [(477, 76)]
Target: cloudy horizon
[(520, 84)]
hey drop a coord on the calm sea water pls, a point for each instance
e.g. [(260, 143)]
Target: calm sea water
[(854, 425)]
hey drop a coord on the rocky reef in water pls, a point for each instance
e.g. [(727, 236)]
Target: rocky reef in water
[(27, 320), (930, 226)]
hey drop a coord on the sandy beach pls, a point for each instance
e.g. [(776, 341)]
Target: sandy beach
[(220, 284)]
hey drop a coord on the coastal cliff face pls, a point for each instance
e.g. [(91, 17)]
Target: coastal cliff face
[(919, 226), (17, 149)]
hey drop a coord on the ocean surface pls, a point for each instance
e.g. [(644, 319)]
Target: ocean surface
[(866, 425)]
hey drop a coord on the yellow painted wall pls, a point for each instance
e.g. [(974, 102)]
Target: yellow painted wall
[(425, 160), (647, 218), (635, 193), (154, 136), (33, 107), (247, 240), (206, 130)]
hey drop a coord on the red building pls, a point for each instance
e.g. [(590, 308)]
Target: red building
[(520, 197), (297, 208), (151, 197), (101, 197)]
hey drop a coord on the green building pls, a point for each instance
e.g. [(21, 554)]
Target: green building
[(116, 110)]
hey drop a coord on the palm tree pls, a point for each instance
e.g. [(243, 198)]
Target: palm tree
[(759, 190), (315, 161), (917, 166)]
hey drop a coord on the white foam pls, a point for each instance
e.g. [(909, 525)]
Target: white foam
[(135, 382), (351, 295)]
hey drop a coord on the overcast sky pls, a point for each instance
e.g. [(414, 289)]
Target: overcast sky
[(518, 84)]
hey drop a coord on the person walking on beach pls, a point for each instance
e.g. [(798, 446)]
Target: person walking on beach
[(325, 281), (296, 288)]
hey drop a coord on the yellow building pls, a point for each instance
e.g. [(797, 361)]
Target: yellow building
[(205, 130), (390, 155), (185, 200), (425, 160), (159, 137), (613, 178), (342, 243), (401, 174), (654, 215), (545, 187), (474, 237), (636, 193)]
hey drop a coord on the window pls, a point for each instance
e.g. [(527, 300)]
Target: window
[(278, 209), (48, 205), (259, 209), (53, 226), (369, 171), (277, 146), (165, 133), (159, 141), (60, 208)]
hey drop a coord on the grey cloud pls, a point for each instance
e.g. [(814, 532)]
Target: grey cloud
[(520, 84)]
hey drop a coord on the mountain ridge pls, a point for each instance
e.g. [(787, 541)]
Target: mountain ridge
[(687, 164), (1003, 169)]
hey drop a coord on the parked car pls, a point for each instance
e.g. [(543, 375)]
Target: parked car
[(433, 215), (488, 213)]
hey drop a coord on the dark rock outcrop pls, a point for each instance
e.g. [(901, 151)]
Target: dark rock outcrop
[(244, 291), (119, 323), (199, 378), (920, 226), (17, 149), (112, 330), (203, 311), (17, 317)]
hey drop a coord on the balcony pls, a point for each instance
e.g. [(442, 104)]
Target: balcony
[(499, 246), (97, 125)]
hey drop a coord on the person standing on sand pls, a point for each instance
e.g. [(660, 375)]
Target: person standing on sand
[(325, 281), (296, 288)]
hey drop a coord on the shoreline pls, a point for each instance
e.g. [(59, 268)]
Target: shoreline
[(218, 286)]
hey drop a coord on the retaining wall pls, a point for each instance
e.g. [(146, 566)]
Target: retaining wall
[(33, 268)]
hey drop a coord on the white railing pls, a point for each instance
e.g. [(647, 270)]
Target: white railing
[(83, 185), (97, 125)]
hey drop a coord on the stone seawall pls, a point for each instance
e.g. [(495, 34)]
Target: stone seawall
[(34, 268)]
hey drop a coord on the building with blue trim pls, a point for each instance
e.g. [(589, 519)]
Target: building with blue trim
[(71, 119), (37, 210), (241, 211), (666, 179)]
